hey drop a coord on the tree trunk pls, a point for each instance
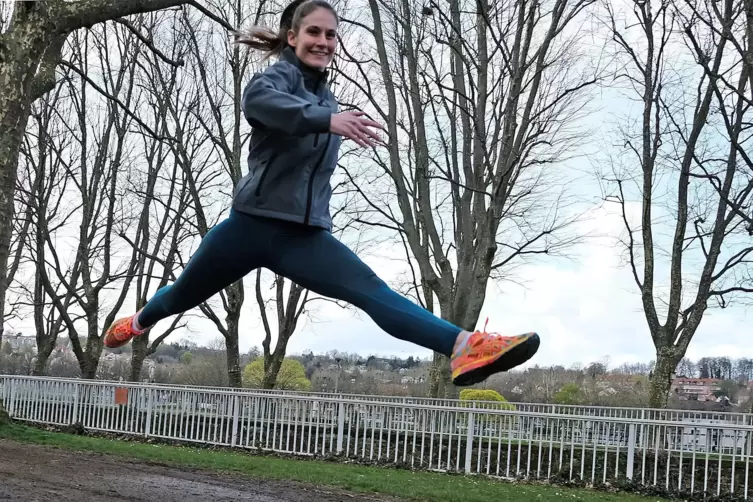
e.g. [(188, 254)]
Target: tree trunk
[(667, 360), (89, 359), (16, 73), (139, 347), (464, 314), (272, 365), (234, 374), (43, 355), (89, 368), (39, 365), (440, 378)]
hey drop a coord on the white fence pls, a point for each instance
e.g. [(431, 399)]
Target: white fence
[(534, 408), (688, 453)]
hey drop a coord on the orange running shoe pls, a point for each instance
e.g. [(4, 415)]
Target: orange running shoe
[(121, 332), (487, 353)]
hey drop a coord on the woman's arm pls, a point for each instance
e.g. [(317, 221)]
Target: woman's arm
[(267, 101)]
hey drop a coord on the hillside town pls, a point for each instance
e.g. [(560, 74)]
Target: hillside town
[(708, 384)]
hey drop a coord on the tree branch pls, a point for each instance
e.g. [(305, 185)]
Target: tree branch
[(148, 43), (117, 101), (44, 81), (71, 16)]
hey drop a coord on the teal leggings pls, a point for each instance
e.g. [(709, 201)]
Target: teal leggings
[(309, 256)]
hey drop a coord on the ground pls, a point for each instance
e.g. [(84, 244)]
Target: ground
[(40, 464), (41, 474)]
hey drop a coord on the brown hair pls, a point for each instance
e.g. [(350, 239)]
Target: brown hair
[(271, 42)]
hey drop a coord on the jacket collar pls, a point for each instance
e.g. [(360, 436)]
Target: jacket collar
[(311, 76)]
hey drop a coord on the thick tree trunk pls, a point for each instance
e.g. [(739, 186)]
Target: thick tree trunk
[(464, 314), (440, 377), (17, 74), (40, 365), (139, 347), (234, 374), (89, 366), (89, 358), (43, 355), (272, 365), (667, 360)]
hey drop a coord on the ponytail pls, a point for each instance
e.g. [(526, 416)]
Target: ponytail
[(263, 39)]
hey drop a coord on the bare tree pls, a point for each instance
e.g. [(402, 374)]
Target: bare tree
[(685, 159), (288, 314), (42, 189), (34, 35), (481, 100), (161, 227), (219, 70), (686, 368), (96, 167)]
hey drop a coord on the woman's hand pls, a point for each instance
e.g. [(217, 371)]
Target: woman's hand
[(353, 125)]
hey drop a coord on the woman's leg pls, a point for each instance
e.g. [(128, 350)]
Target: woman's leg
[(228, 252), (317, 261)]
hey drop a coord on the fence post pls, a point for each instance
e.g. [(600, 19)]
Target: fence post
[(149, 406), (469, 441), (236, 405), (74, 417), (642, 434), (340, 426), (630, 452), (11, 402)]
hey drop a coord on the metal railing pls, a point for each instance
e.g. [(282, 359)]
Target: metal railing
[(662, 414), (694, 455)]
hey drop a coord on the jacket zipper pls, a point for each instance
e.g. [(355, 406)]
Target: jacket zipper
[(319, 162), (264, 174), (311, 180), (316, 138)]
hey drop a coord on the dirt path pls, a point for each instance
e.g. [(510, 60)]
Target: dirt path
[(33, 473)]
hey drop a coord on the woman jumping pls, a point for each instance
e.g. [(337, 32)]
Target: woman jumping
[(280, 217)]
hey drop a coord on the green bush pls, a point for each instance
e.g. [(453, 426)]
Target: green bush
[(486, 395)]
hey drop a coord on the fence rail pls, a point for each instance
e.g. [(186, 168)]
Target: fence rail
[(558, 409), (691, 453)]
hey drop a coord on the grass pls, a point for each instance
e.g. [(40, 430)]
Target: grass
[(399, 483)]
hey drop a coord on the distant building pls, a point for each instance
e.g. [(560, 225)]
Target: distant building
[(696, 389), (18, 341)]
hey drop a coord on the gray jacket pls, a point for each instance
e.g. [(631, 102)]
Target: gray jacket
[(292, 154)]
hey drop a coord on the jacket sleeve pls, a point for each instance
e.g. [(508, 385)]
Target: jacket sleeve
[(268, 101)]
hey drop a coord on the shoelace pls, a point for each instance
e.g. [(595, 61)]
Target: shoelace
[(496, 341)]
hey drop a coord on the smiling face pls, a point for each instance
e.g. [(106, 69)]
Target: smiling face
[(316, 39)]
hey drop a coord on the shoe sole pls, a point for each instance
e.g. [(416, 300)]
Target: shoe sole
[(507, 361), (117, 344)]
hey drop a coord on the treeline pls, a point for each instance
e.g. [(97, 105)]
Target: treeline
[(596, 384), (720, 368)]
